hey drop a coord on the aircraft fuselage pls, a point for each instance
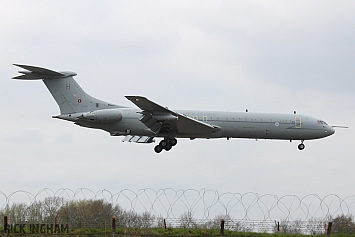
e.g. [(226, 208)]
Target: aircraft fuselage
[(231, 124)]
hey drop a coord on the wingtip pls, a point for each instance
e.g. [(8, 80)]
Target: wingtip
[(18, 65), (134, 97)]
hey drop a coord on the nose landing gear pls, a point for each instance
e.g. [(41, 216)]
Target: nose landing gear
[(165, 144), (301, 146)]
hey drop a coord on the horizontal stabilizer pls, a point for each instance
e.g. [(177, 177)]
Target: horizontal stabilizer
[(138, 139), (35, 73)]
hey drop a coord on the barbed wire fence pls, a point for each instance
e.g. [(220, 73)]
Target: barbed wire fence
[(204, 208)]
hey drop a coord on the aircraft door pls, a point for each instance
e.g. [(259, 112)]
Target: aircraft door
[(298, 122)]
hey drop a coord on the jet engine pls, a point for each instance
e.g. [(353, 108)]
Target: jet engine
[(103, 116)]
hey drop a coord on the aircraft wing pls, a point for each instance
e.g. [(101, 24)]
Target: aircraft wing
[(160, 119), (147, 105)]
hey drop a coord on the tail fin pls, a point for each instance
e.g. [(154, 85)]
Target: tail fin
[(65, 90)]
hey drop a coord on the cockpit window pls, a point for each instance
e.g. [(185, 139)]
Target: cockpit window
[(321, 122)]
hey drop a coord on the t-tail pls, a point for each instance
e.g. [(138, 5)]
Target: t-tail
[(70, 97)]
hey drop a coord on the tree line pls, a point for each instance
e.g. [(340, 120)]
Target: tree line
[(78, 213)]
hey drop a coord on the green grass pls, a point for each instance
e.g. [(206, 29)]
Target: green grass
[(208, 232)]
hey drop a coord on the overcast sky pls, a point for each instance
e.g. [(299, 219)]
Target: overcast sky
[(266, 56)]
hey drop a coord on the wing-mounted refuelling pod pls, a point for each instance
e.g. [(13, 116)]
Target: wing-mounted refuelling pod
[(164, 117)]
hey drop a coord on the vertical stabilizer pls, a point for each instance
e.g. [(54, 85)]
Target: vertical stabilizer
[(70, 97)]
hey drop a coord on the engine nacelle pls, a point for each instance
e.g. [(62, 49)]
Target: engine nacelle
[(103, 116)]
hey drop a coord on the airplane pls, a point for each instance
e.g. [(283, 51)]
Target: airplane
[(151, 120)]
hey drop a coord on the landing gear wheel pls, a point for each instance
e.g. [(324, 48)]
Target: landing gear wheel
[(163, 143), (158, 149), (168, 147), (301, 146), (173, 142)]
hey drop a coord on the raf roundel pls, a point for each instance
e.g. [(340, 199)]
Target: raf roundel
[(277, 124)]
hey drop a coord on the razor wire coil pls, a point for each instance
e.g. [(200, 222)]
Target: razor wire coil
[(191, 207)]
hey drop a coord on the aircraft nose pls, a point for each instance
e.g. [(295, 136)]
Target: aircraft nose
[(331, 130)]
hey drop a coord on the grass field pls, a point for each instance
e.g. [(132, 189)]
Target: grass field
[(175, 232)]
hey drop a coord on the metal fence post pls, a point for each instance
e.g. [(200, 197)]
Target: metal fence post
[(113, 226), (55, 223), (329, 229), (222, 227), (5, 226)]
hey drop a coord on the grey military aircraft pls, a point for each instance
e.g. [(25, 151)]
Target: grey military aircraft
[(151, 120)]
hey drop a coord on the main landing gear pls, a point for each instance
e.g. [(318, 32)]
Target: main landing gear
[(165, 144), (301, 146)]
